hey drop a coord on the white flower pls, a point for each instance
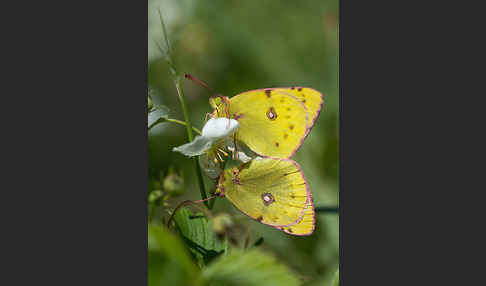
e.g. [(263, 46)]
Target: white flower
[(215, 143), (218, 128), (213, 134)]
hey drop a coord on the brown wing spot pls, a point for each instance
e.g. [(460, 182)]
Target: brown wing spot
[(271, 114), (282, 100), (291, 127), (289, 230), (267, 199), (287, 116), (292, 87), (292, 195), (288, 108), (299, 89), (286, 136), (259, 219), (267, 92), (282, 228), (236, 179), (303, 100), (237, 116), (286, 174), (276, 144)]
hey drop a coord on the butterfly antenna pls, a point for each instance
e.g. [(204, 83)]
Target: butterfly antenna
[(200, 82), (195, 203)]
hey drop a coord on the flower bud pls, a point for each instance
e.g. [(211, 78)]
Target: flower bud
[(173, 183), (221, 223), (154, 195), (150, 105)]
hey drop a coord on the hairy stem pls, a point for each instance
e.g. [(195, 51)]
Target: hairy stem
[(183, 123), (178, 85), (173, 121), (180, 92)]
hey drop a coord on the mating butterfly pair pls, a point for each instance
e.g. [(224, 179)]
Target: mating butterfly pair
[(273, 123)]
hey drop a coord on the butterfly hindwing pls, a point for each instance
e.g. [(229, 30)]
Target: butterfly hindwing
[(305, 226), (273, 123), (271, 191)]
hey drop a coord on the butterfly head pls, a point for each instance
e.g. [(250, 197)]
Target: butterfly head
[(220, 105)]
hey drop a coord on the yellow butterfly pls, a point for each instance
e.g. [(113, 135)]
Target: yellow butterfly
[(273, 121), (271, 191)]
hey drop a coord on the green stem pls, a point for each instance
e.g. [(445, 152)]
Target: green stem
[(173, 121), (178, 84), (211, 204), (183, 123), (151, 212)]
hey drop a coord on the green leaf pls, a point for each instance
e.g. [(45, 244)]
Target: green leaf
[(336, 279), (157, 115), (198, 236), (249, 268), (168, 261)]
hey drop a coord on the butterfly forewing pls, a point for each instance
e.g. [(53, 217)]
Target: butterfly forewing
[(273, 123), (311, 98)]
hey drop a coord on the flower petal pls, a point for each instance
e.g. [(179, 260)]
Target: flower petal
[(212, 134), (220, 127), (195, 148)]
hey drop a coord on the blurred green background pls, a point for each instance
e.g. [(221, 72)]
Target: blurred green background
[(235, 46)]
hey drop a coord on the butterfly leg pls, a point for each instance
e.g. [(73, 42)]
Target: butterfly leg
[(206, 117), (235, 154), (226, 106), (226, 110)]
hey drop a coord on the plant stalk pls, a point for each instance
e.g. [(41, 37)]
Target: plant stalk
[(174, 121), (178, 84)]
